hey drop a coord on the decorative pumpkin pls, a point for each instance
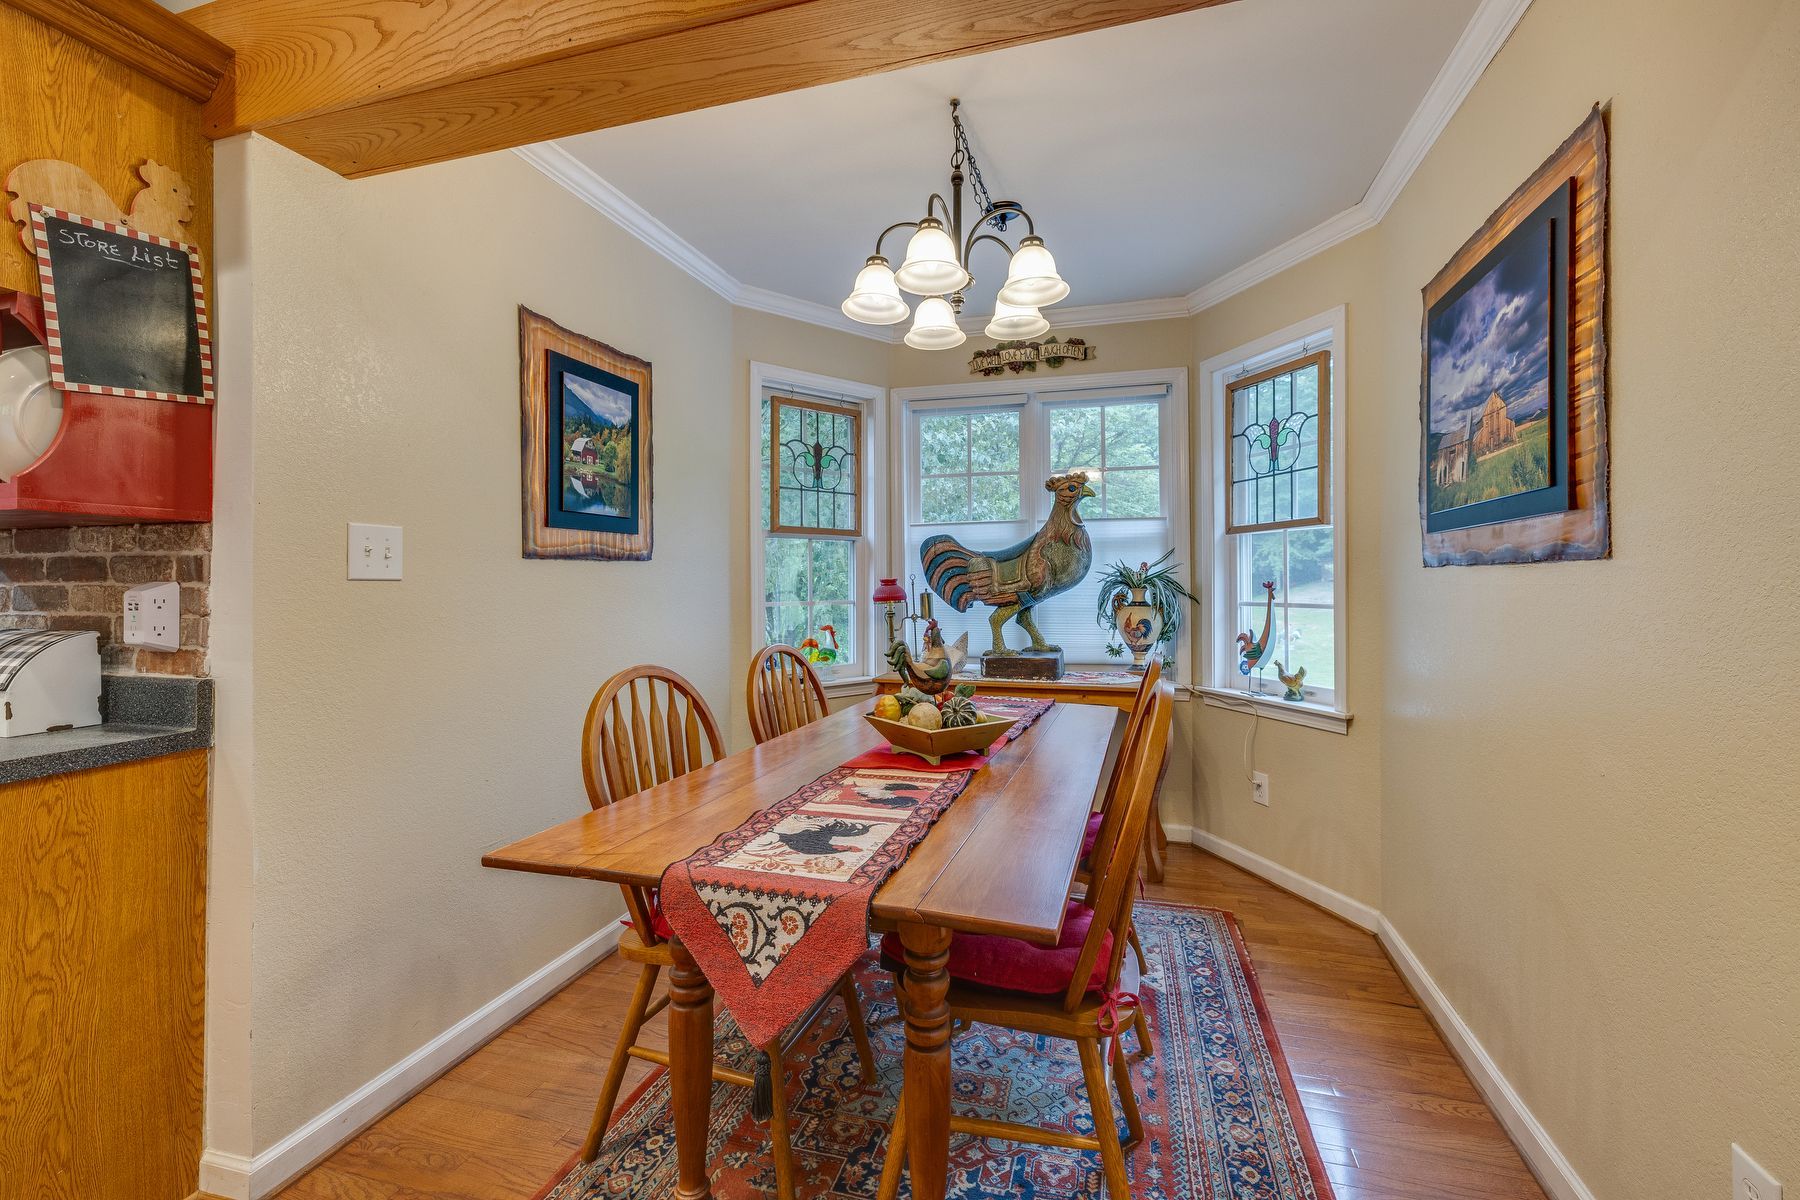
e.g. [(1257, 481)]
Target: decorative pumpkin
[(958, 712)]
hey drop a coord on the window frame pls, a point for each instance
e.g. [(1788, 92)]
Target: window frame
[(870, 553), (1285, 366), (1216, 666), (1042, 395), (778, 400)]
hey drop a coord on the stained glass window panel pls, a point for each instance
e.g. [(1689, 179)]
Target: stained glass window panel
[(816, 464), (1278, 425)]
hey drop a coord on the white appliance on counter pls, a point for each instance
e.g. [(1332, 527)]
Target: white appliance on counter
[(49, 679)]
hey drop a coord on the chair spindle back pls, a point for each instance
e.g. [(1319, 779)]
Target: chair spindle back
[(783, 691), (646, 726), (1134, 728), (1115, 866)]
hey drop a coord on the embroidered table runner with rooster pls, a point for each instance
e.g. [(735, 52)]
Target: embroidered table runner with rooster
[(776, 911)]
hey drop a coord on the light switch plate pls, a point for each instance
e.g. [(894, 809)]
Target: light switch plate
[(374, 552), (1749, 1181)]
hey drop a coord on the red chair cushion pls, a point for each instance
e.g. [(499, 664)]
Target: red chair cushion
[(1013, 965), (659, 924), (1092, 835)]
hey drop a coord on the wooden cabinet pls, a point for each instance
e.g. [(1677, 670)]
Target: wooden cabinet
[(103, 981)]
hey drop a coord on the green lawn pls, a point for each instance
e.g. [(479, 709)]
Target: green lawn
[(1523, 466)]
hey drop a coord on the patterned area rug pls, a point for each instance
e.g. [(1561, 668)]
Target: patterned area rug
[(1222, 1118)]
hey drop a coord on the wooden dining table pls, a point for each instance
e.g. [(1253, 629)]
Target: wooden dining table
[(1000, 860)]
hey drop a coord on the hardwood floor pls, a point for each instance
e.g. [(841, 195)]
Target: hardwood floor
[(1393, 1113)]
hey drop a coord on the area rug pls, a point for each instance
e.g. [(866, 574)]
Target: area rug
[(1222, 1117)]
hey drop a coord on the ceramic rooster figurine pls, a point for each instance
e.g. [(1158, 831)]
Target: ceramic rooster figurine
[(1251, 650), (935, 667), (1294, 683), (1017, 579)]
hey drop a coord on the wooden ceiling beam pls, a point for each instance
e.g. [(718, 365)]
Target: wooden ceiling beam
[(368, 86)]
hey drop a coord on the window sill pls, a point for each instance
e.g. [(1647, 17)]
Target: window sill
[(850, 687), (1312, 716)]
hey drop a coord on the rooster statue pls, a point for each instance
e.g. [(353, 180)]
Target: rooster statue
[(1017, 579), (1251, 650), (1295, 683), (936, 665)]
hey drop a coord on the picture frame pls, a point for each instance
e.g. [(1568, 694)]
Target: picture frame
[(585, 436), (1565, 515)]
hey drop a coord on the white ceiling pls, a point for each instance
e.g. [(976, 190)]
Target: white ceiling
[(1156, 157)]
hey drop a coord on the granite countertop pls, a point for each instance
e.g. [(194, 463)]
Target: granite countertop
[(142, 716)]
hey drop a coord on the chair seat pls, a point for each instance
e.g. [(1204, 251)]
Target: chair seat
[(1014, 965)]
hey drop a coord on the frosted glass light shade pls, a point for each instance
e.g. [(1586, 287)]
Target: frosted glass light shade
[(934, 326), (1031, 278), (874, 297), (1012, 321), (931, 268)]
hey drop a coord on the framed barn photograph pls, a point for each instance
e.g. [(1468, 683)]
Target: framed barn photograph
[(1513, 439), (585, 435)]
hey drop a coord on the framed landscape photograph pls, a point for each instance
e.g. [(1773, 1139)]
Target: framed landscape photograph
[(1513, 454), (1497, 380), (585, 445)]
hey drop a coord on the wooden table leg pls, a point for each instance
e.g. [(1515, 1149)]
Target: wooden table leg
[(690, 1071), (927, 1084)]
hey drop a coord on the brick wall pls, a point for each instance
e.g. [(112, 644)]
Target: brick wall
[(76, 579)]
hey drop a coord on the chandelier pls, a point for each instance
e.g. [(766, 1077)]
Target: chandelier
[(936, 266)]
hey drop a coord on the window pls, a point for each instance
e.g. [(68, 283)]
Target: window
[(977, 459), (1270, 498), (812, 559)]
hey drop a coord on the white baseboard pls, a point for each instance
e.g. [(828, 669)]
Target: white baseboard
[(1181, 834), (1552, 1169), (238, 1178), (1363, 916)]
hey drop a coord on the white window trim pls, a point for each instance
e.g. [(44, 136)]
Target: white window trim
[(998, 393), (871, 551), (1213, 653)]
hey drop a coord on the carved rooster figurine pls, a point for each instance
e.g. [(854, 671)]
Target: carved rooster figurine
[(1251, 650), (1017, 579), (164, 205), (935, 667)]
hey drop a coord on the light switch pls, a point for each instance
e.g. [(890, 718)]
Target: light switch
[(374, 551)]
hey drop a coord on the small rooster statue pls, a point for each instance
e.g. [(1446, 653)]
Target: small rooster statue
[(1017, 579), (1251, 650), (935, 667), (1294, 683)]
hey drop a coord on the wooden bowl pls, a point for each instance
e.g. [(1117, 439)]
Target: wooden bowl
[(933, 745)]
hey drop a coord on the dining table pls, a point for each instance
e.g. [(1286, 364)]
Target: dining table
[(1000, 860)]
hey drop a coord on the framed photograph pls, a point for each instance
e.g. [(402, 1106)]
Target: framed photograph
[(1497, 380), (585, 436), (1512, 395)]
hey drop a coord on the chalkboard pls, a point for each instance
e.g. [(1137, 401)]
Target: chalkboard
[(125, 310)]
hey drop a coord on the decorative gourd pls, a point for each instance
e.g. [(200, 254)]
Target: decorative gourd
[(909, 697), (958, 712), (925, 716)]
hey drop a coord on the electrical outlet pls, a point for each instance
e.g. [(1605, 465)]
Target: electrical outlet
[(1749, 1181), (374, 552), (153, 616), (1259, 788)]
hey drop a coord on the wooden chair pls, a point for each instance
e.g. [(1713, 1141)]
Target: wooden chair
[(647, 725), (783, 691), (1077, 1012)]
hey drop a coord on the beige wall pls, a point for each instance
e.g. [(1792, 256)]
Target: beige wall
[(400, 730), (1584, 783)]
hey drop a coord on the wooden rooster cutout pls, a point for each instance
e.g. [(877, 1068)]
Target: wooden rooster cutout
[(163, 206), (1251, 650)]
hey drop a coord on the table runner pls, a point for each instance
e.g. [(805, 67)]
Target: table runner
[(776, 911)]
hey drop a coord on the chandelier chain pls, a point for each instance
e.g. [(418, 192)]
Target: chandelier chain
[(964, 155)]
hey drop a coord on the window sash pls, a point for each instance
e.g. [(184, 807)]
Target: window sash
[(1229, 484), (779, 403)]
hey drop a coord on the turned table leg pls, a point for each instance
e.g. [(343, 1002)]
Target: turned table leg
[(690, 1071), (927, 1085)]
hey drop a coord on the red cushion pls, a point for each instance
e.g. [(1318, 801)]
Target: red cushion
[(659, 924), (1092, 835), (1014, 965)]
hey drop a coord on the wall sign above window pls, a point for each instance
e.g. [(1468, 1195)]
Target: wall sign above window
[(1025, 356), (1278, 446), (815, 467)]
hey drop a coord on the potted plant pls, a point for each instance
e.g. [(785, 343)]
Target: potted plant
[(1143, 605)]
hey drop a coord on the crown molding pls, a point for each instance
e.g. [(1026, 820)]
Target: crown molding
[(1487, 31)]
